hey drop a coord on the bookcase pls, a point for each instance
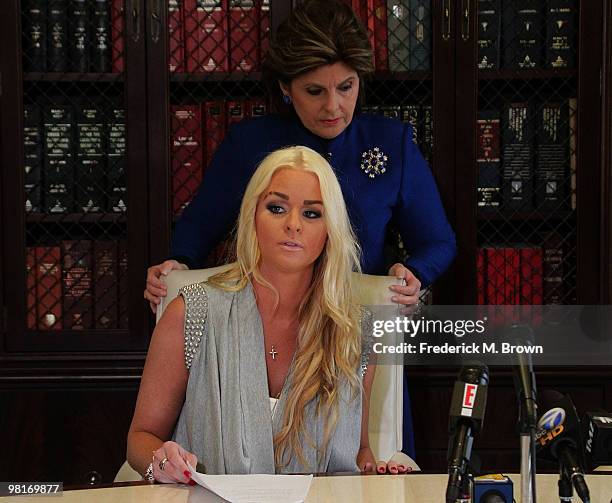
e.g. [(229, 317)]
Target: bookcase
[(132, 97)]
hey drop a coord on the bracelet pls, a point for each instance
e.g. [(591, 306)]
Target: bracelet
[(149, 474)]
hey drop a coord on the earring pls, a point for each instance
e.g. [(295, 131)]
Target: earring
[(286, 99)]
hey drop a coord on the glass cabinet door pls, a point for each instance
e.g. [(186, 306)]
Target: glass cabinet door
[(533, 167), (73, 182)]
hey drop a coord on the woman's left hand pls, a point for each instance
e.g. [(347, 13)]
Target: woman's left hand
[(409, 293), (365, 460)]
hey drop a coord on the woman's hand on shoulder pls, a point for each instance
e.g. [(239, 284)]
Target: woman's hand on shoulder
[(155, 288), (407, 294), (170, 464)]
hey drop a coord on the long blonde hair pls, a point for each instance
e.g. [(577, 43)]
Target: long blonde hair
[(329, 341)]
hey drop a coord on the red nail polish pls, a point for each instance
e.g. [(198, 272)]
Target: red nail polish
[(192, 483), (187, 473)]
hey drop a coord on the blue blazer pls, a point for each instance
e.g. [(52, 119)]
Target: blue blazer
[(399, 189)]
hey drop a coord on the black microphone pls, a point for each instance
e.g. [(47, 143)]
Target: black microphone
[(465, 419), (597, 434), (559, 439)]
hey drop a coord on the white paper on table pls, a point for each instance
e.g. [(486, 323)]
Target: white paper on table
[(256, 488)]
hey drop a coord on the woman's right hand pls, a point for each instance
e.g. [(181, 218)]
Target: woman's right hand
[(156, 289), (170, 464)]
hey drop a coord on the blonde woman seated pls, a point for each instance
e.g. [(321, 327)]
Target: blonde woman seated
[(261, 369)]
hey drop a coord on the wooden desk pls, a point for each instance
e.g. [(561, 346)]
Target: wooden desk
[(415, 488)]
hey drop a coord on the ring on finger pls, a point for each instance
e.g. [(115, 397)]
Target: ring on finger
[(162, 463)]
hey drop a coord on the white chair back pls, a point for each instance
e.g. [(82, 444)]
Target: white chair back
[(386, 402)]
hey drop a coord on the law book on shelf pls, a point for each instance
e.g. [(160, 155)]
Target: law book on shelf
[(101, 47), (531, 275), (117, 35), (35, 36), (235, 111), (511, 275), (572, 106), (79, 35), (489, 34), (523, 27), (77, 275), (552, 165), (255, 107), (57, 36), (105, 284), (243, 36), (214, 117), (264, 30), (488, 160), (411, 114), (419, 42), (176, 39), (495, 270), (58, 175), (552, 278), (377, 11), (30, 288), (187, 155), (116, 161), (391, 111), (206, 36), (560, 34), (122, 271), (517, 158), (398, 28), (426, 139), (91, 154), (48, 288), (33, 157), (481, 277)]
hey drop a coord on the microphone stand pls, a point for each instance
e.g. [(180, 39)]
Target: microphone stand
[(528, 420)]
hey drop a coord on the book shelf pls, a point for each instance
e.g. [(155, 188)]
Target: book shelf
[(176, 110)]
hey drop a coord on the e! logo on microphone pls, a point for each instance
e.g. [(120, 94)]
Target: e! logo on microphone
[(469, 397)]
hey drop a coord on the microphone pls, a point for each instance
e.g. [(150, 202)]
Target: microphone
[(559, 439), (466, 415), (597, 432)]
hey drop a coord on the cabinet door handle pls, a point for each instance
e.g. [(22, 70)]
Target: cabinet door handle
[(465, 20), (134, 9), (446, 19), (155, 20)]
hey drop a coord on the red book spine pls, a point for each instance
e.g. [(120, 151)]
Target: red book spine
[(206, 36), (187, 156), (481, 274), (214, 114), (526, 279), (48, 288), (77, 279), (381, 56), (117, 34), (244, 36), (105, 284), (31, 288), (176, 39), (512, 275), (370, 23), (495, 276), (122, 269)]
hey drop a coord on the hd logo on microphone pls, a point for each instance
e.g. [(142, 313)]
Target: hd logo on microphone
[(550, 425), (469, 398)]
